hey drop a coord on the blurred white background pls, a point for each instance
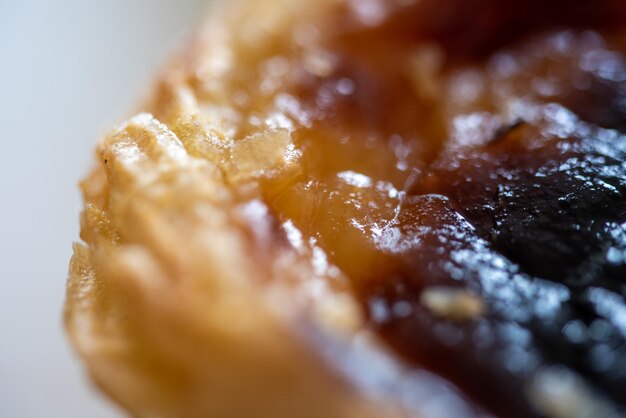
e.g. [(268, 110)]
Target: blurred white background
[(69, 70)]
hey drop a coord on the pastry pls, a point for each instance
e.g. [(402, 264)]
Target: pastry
[(366, 208)]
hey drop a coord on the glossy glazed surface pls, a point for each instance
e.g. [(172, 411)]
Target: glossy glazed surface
[(469, 176)]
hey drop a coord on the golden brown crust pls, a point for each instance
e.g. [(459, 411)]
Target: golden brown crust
[(172, 298), (166, 302)]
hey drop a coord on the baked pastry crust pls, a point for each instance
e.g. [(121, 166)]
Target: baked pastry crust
[(170, 303), (185, 299)]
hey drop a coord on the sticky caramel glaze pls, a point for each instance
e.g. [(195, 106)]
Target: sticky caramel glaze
[(476, 145), (530, 230)]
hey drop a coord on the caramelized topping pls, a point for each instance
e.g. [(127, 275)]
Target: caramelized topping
[(463, 162), (532, 223)]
